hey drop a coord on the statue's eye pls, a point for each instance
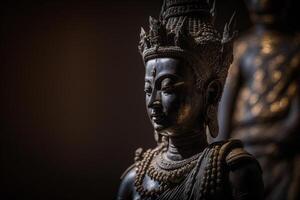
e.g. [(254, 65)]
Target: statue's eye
[(167, 89), (148, 90), (167, 86)]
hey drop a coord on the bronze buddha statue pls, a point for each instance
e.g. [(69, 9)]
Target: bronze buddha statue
[(186, 63), (261, 102)]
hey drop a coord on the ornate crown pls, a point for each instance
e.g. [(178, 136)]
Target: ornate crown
[(186, 28)]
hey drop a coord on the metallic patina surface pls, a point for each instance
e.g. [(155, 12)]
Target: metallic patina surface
[(186, 63)]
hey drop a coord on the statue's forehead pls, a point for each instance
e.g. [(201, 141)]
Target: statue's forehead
[(157, 66)]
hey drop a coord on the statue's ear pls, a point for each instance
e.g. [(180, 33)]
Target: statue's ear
[(214, 92), (213, 95)]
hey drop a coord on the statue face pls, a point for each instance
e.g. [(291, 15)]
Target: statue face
[(172, 101)]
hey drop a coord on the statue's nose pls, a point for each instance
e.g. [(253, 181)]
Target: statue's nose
[(155, 99)]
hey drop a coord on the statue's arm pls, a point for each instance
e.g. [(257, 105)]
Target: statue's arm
[(245, 177), (228, 100), (126, 187)]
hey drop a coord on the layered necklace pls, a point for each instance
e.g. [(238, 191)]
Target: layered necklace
[(155, 164)]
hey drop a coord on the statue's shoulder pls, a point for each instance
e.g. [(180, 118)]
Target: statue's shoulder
[(224, 156), (127, 181), (126, 188), (225, 163), (239, 165), (242, 170), (129, 173), (231, 152), (133, 173), (234, 153)]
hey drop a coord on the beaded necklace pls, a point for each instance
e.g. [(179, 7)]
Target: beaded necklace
[(165, 171)]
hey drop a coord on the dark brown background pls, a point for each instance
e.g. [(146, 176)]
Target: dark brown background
[(72, 103)]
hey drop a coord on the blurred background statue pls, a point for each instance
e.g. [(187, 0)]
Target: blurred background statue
[(261, 100)]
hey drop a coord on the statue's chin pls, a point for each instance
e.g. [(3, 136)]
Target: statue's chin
[(158, 127), (169, 132)]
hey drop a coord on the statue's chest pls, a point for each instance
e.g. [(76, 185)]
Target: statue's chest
[(204, 181), (148, 185)]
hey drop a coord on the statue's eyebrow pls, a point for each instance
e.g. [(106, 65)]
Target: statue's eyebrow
[(167, 75), (179, 84), (147, 80)]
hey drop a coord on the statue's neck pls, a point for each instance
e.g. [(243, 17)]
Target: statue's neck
[(186, 145)]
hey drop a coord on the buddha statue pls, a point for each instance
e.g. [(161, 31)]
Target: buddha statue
[(261, 99), (186, 62)]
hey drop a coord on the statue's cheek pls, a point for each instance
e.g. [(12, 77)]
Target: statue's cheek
[(170, 103), (184, 114)]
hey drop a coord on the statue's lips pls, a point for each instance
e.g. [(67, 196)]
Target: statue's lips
[(157, 118)]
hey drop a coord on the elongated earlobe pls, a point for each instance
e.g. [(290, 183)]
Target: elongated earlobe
[(212, 120), (214, 92), (213, 96)]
